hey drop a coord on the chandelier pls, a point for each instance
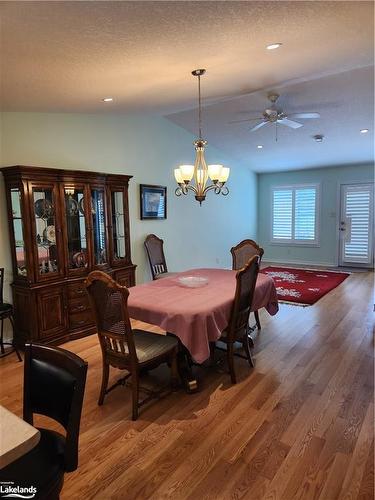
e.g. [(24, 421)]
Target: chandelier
[(195, 177)]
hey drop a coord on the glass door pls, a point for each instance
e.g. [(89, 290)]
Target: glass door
[(18, 232), (75, 228), (119, 250), (46, 231), (356, 225), (98, 226)]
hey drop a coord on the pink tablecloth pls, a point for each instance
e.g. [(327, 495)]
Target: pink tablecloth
[(196, 315)]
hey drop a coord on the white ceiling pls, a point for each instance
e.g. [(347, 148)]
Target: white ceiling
[(345, 102), (66, 56)]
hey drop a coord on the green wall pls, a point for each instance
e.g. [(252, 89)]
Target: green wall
[(149, 148), (330, 180)]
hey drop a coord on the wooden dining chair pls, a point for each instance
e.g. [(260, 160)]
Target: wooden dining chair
[(237, 330), (54, 385), (122, 347), (155, 253), (241, 254)]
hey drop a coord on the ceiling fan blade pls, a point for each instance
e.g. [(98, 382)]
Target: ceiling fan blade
[(258, 126), (246, 120), (289, 123), (305, 115)]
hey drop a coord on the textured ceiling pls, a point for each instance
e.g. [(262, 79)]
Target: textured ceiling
[(66, 56)]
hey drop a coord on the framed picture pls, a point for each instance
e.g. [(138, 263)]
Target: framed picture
[(153, 202)]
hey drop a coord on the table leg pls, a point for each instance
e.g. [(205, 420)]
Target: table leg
[(185, 370)]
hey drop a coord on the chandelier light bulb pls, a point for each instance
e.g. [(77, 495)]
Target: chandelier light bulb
[(187, 172), (224, 174), (178, 176), (214, 172)]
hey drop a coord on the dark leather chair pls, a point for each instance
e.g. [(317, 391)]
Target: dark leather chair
[(122, 347), (156, 258), (54, 384), (237, 330), (6, 312), (241, 254)]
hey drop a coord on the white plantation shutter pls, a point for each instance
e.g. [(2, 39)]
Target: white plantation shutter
[(305, 213), (358, 210), (282, 214), (295, 214)]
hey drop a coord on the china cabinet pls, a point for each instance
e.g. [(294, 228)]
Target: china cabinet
[(63, 224)]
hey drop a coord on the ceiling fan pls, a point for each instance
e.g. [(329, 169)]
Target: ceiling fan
[(276, 115)]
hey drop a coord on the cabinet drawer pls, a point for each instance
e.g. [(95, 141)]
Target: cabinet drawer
[(78, 304), (81, 319), (76, 290)]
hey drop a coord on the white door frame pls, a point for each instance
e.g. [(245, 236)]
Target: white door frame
[(338, 218)]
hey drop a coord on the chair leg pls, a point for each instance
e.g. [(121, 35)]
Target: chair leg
[(246, 347), (14, 347), (135, 394), (103, 388), (230, 357), (212, 353), (256, 314), (174, 371), (2, 336)]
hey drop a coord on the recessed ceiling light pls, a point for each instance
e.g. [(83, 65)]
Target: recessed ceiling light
[(260, 146), (273, 46), (107, 99), (364, 131), (318, 138)]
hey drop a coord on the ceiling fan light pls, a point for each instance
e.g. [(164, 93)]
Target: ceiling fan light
[(224, 174), (214, 171), (178, 176), (187, 172)]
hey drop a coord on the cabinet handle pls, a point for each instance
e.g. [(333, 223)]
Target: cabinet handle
[(81, 322)]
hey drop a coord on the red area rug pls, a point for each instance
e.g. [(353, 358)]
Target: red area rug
[(302, 286)]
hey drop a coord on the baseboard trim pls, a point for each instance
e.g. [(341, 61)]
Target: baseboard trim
[(299, 262)]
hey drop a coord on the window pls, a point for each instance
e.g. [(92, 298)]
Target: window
[(295, 214)]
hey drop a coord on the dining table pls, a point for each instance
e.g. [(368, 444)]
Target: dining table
[(196, 316), (17, 437)]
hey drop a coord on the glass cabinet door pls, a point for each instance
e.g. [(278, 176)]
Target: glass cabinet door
[(45, 231), (118, 225), (75, 220), (17, 222), (98, 226)]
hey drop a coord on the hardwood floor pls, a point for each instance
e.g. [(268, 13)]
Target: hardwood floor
[(299, 425)]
